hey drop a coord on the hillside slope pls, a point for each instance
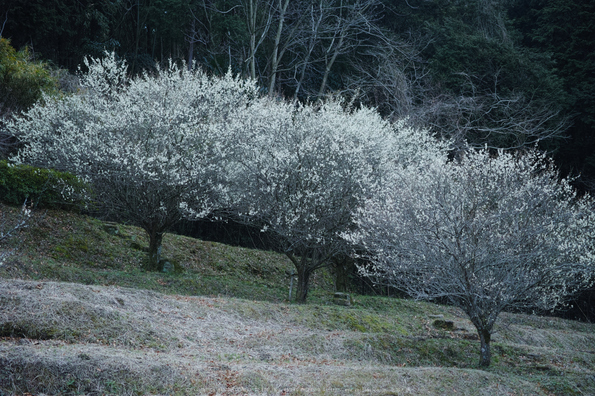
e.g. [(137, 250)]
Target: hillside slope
[(77, 317)]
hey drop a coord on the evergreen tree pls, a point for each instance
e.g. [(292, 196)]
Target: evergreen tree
[(565, 31)]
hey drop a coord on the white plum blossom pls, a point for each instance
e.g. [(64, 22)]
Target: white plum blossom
[(487, 233), (146, 145), (301, 170)]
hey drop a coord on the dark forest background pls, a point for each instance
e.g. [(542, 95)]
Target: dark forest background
[(502, 73), (499, 73)]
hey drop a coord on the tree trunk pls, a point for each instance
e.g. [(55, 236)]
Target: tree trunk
[(137, 38), (252, 28), (343, 266), (155, 239), (485, 355), (311, 44), (191, 43), (329, 65), (303, 284), (275, 57)]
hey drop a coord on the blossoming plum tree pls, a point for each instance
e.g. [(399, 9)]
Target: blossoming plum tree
[(487, 233), (302, 170), (146, 145)]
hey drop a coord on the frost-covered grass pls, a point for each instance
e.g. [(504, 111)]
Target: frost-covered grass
[(78, 317)]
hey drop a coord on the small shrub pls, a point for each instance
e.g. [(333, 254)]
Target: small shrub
[(22, 81), (44, 187)]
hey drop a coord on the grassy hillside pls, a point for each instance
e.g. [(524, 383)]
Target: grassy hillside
[(77, 316)]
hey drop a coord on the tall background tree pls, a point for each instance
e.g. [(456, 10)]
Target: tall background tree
[(23, 81), (564, 30), (61, 31), (482, 86)]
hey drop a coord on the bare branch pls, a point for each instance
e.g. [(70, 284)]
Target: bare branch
[(8, 228), (491, 119), (4, 23)]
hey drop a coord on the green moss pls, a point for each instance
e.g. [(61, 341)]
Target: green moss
[(558, 385), (361, 321), (419, 351), (255, 382), (74, 246), (28, 330)]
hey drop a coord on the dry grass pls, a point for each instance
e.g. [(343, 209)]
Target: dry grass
[(71, 338), (77, 316)]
